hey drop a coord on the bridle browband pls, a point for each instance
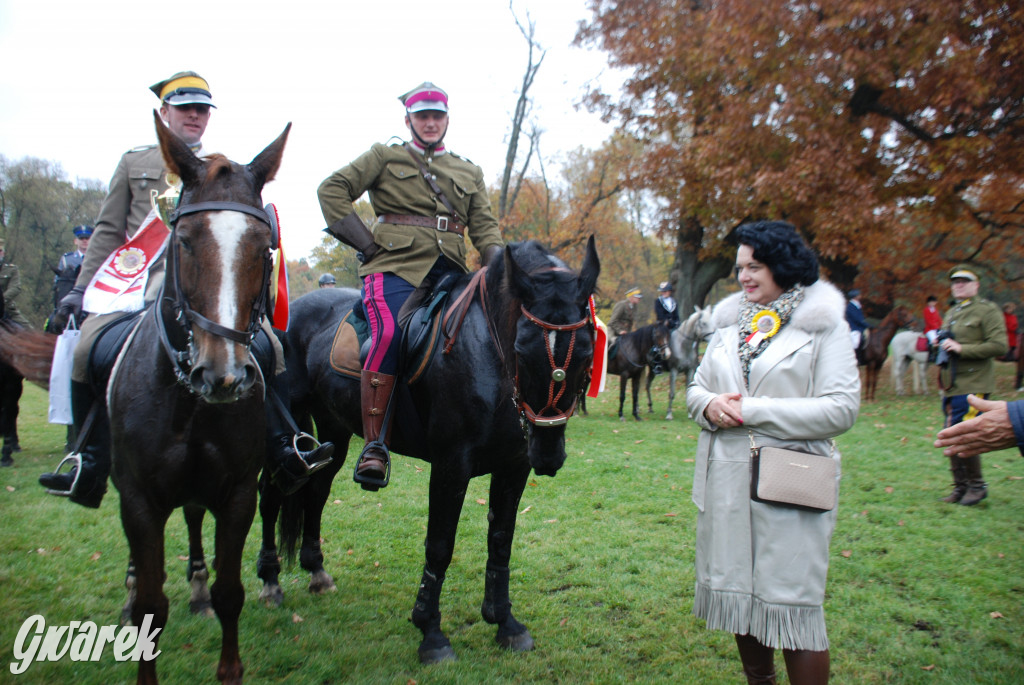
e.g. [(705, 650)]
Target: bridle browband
[(184, 315)]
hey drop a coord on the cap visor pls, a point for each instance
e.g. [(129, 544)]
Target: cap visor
[(423, 105), (190, 99)]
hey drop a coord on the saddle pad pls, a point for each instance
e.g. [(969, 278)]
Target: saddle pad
[(345, 348), (418, 345)]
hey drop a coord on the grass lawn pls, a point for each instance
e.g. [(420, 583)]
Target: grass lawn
[(602, 571)]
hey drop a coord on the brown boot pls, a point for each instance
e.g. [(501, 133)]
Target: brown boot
[(373, 468), (758, 660), (977, 489), (956, 466), (806, 667)]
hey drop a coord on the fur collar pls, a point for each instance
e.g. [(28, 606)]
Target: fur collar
[(822, 308)]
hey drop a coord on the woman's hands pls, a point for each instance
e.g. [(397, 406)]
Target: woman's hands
[(726, 410)]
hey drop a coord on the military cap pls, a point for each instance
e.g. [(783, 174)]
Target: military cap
[(82, 231), (634, 292), (327, 279), (423, 97), (665, 286), (184, 88), (963, 271)]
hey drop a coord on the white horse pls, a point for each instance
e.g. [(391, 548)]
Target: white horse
[(683, 343), (904, 353)]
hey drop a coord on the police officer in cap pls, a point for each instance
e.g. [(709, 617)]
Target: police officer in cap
[(185, 104), (428, 200), (327, 281), (70, 260)]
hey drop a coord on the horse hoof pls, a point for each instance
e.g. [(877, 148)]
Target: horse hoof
[(438, 655), (516, 643), (668, 416), (272, 596), (321, 582)]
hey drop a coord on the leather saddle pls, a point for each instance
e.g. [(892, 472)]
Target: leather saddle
[(108, 345)]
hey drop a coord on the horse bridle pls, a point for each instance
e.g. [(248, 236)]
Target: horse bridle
[(184, 315)]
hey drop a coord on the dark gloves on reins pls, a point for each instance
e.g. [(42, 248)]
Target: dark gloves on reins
[(71, 304)]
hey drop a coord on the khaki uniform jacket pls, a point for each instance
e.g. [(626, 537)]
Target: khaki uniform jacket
[(396, 186), (623, 318), (140, 172), (978, 325), (10, 286)]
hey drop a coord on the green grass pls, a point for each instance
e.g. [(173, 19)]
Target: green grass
[(602, 570)]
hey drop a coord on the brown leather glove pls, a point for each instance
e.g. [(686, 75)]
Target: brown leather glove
[(489, 253), (353, 232)]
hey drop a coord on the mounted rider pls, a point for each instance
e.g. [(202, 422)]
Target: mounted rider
[(665, 308), (623, 318), (140, 177), (327, 281), (426, 200)]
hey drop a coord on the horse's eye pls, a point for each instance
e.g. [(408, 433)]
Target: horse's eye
[(186, 245)]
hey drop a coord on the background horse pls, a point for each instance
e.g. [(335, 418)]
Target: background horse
[(683, 344), (526, 335), (878, 347), (632, 356), (186, 396), (904, 354)]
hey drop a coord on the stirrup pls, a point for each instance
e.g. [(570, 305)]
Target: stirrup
[(315, 466), (76, 459), (368, 482)]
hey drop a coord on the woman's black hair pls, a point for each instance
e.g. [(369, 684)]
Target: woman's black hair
[(778, 246)]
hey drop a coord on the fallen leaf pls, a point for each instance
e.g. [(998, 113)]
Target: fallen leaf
[(95, 556), (481, 501), (182, 557), (889, 490), (929, 667), (846, 553), (1001, 555), (551, 521), (880, 425), (864, 513), (996, 614), (526, 509), (637, 442), (900, 522), (376, 564), (10, 488), (337, 501), (687, 461), (348, 552), (563, 621), (671, 513), (41, 550), (296, 618), (410, 681), (664, 475), (419, 469), (903, 440), (1007, 478)]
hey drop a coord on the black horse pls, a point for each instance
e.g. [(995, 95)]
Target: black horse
[(493, 398), (635, 351)]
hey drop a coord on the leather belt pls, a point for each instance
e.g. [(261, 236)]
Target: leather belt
[(441, 223)]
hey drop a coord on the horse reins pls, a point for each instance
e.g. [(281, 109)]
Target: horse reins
[(459, 309), (185, 316)]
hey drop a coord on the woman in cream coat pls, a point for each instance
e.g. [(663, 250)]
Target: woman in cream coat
[(780, 366)]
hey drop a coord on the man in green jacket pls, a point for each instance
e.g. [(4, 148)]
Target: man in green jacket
[(10, 286), (427, 200), (973, 335)]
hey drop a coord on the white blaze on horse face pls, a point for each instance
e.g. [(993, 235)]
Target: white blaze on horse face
[(228, 229), (551, 341)]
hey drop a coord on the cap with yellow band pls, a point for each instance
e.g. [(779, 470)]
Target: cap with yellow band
[(184, 88)]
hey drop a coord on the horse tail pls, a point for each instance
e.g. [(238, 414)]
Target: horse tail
[(290, 523), (29, 352)]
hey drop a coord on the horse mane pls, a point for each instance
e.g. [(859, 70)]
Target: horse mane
[(216, 164)]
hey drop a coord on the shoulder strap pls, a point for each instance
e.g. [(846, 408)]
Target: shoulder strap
[(432, 182)]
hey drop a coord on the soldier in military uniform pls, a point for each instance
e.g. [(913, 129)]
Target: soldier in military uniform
[(974, 334), (623, 315), (10, 286), (427, 199), (185, 104)]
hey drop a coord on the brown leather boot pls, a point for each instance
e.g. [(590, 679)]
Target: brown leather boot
[(373, 468), (806, 667), (956, 466), (758, 660), (977, 489)]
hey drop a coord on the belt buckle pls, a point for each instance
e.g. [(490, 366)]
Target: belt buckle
[(442, 224)]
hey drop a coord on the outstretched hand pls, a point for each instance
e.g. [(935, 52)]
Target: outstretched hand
[(990, 431)]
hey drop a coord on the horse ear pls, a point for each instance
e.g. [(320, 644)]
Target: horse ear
[(178, 157), (589, 272), (266, 163)]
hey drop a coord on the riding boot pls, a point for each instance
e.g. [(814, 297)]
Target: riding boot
[(373, 468), (977, 489), (289, 466), (758, 660), (806, 667), (86, 482), (956, 466)]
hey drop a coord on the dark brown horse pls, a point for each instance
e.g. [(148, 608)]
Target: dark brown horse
[(877, 348), (635, 351), (186, 395)]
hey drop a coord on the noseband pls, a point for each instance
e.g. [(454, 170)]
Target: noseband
[(184, 315)]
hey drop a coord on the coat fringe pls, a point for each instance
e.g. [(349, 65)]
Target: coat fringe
[(774, 625)]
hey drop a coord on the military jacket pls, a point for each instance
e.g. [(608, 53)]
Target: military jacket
[(396, 186), (978, 326), (10, 286), (623, 318), (139, 176)]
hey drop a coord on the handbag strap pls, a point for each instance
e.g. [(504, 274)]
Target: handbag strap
[(432, 182), (831, 444)]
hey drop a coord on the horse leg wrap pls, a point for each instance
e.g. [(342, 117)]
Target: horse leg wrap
[(497, 606), (426, 613), (311, 558), (268, 567)]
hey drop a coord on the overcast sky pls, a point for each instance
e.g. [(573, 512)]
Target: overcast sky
[(74, 86)]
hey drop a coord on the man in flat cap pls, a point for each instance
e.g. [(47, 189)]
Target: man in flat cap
[(140, 177), (427, 201), (973, 335), (623, 317)]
